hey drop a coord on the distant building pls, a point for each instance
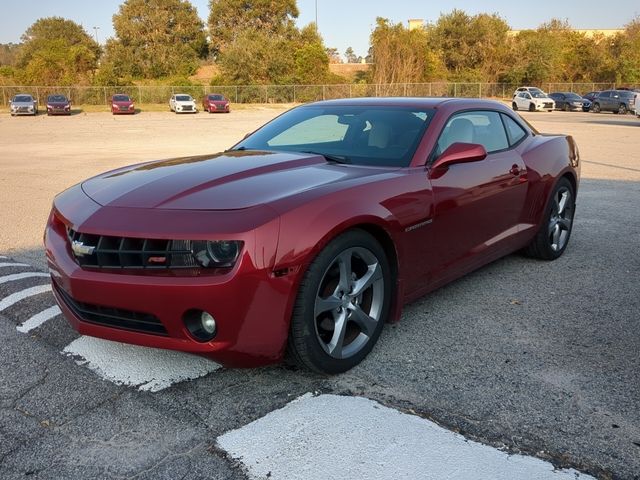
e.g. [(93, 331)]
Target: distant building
[(587, 33), (415, 23)]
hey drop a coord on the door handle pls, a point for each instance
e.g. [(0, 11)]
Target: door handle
[(515, 171)]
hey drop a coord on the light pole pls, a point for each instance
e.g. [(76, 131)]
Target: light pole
[(95, 29)]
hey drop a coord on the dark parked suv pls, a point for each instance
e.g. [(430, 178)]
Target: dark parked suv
[(616, 101)]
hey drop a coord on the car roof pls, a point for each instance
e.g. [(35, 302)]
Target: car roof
[(417, 102)]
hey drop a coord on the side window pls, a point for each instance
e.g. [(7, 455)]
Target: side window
[(514, 131), (485, 128), (604, 95)]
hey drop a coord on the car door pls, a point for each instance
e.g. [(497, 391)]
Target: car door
[(604, 100), (477, 205)]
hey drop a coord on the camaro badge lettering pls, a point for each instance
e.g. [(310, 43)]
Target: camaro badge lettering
[(80, 249)]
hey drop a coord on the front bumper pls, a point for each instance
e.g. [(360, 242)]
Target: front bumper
[(250, 304), (186, 109), (23, 111), (541, 107)]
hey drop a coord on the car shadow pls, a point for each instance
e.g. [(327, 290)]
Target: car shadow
[(622, 123)]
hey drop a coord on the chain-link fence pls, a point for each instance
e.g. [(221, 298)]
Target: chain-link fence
[(159, 94)]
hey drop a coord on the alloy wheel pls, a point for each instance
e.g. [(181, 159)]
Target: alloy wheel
[(349, 302), (561, 219)]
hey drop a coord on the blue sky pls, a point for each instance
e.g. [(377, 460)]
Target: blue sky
[(342, 23)]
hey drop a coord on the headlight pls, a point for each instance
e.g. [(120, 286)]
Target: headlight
[(49, 106), (113, 105), (217, 254)]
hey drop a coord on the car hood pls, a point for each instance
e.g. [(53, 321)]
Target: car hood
[(185, 102), (23, 104), (226, 181), (58, 104)]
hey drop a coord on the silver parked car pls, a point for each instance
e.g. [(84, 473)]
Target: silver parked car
[(23, 104)]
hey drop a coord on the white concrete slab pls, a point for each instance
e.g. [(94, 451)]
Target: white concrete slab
[(22, 294), (147, 369), (21, 276), (39, 318), (332, 437)]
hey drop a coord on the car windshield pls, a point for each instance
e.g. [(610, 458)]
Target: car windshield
[(216, 97), (23, 98), (363, 135), (120, 98), (537, 94), (56, 98), (183, 98)]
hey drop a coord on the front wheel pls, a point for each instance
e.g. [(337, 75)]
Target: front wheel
[(342, 304), (551, 240), (595, 108), (532, 107)]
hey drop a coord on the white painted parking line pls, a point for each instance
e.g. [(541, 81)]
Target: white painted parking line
[(20, 276), (331, 437), (22, 294), (148, 369), (13, 264), (39, 318)]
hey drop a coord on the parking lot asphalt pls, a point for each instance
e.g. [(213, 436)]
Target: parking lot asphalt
[(530, 357)]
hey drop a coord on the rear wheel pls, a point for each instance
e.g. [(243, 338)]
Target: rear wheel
[(622, 109), (515, 106), (551, 240), (342, 304)]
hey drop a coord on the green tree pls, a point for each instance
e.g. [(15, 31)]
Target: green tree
[(56, 51), (401, 55), (471, 47), (154, 39), (230, 19), (350, 55), (626, 53), (9, 53)]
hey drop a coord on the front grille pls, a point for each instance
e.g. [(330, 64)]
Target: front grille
[(107, 252), (23, 109), (187, 107), (220, 107), (113, 317), (548, 105), (124, 109)]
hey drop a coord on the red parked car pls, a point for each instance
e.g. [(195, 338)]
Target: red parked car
[(312, 232), (58, 105), (122, 104), (214, 102)]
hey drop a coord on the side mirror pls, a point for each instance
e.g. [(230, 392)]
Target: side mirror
[(460, 153)]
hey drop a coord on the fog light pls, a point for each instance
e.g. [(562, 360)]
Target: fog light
[(208, 322), (201, 325)]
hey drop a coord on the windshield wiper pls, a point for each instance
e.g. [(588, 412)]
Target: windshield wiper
[(331, 158)]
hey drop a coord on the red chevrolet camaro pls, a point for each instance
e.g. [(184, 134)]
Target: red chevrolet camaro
[(312, 232)]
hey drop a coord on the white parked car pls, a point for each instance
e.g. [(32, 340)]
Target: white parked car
[(181, 103), (23, 104), (534, 101)]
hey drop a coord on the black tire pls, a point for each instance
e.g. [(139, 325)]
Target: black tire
[(566, 107), (595, 108), (312, 332), (514, 105), (542, 245), (532, 107), (622, 109)]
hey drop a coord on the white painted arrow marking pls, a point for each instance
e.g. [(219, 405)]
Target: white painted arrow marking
[(331, 437), (39, 318), (13, 264), (22, 294), (149, 369), (20, 276)]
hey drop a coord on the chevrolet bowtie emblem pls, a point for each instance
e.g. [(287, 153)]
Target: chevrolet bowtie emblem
[(80, 249)]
